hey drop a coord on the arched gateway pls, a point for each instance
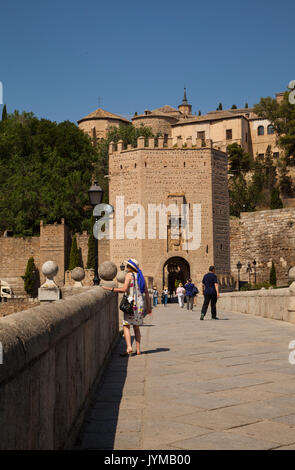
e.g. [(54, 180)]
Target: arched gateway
[(175, 269)]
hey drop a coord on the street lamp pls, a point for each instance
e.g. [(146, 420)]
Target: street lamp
[(239, 266), (254, 264), (95, 194)]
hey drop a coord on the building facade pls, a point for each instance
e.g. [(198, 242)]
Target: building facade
[(223, 127), (154, 178)]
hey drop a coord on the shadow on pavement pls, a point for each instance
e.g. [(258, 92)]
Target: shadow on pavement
[(99, 428), (152, 351)]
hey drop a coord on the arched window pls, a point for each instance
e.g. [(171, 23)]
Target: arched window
[(260, 130), (270, 129)]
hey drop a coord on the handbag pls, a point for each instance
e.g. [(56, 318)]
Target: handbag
[(126, 306)]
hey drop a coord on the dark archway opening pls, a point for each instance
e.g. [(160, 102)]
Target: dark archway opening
[(175, 270)]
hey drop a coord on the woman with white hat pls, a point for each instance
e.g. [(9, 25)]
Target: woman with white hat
[(136, 287)]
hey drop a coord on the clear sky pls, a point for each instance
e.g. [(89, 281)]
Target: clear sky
[(62, 59)]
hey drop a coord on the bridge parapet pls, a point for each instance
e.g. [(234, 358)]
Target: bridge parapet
[(53, 357), (278, 304)]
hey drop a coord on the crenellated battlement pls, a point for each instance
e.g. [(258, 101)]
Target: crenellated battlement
[(158, 143)]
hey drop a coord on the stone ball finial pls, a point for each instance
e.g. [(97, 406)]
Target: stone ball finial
[(78, 274), (49, 269), (107, 270)]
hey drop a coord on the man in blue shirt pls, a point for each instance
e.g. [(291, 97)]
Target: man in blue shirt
[(211, 293)]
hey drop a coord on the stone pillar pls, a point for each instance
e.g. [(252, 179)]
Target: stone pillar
[(112, 147), (120, 146), (151, 142), (49, 291), (179, 142), (160, 142), (209, 143), (140, 142), (189, 142), (199, 143), (170, 142)]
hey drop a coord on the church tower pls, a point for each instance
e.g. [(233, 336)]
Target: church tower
[(185, 108)]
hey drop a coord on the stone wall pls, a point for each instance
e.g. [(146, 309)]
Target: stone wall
[(16, 305), (278, 304), (53, 356), (14, 255), (54, 243), (264, 236)]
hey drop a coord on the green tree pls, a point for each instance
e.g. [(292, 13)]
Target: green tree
[(234, 106), (4, 113), (45, 173), (246, 105), (74, 255), (270, 174), (239, 196), (282, 117), (273, 275), (219, 107), (275, 199), (199, 113), (285, 180), (239, 160), (30, 277)]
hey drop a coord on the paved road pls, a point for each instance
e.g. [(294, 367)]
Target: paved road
[(208, 384)]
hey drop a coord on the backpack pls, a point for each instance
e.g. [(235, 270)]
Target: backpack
[(195, 291)]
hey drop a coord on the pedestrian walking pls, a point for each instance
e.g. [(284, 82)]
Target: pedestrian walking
[(155, 296), (211, 293), (180, 291), (165, 296), (136, 291), (190, 291)]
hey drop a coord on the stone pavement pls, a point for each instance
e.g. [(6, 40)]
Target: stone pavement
[(223, 384)]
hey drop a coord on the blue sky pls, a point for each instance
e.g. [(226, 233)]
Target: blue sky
[(59, 58)]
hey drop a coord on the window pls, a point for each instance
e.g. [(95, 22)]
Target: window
[(260, 130), (229, 134), (270, 129), (276, 155), (201, 135)]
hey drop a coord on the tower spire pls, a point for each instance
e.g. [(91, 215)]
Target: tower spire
[(184, 101), (185, 108)]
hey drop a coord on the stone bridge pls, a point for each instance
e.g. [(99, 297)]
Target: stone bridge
[(224, 384)]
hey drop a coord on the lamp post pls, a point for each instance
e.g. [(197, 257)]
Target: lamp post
[(239, 266), (254, 264), (95, 194), (249, 270)]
